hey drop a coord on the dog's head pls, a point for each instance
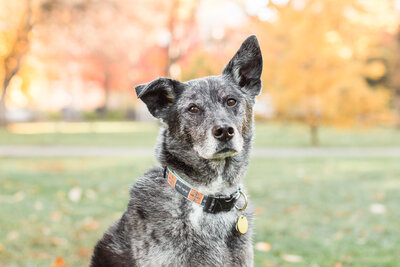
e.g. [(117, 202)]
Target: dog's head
[(213, 115)]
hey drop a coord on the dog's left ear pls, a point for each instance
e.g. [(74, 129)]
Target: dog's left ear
[(158, 95), (246, 66)]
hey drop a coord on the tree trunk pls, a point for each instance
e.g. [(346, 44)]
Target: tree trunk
[(102, 111), (3, 119), (171, 28), (314, 140), (107, 85), (396, 104), (12, 62)]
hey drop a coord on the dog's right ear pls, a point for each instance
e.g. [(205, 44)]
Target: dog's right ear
[(246, 66), (158, 95)]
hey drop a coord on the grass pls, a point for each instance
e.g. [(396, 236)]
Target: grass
[(145, 134), (81, 134), (321, 211)]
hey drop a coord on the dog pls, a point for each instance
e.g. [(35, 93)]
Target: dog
[(192, 210)]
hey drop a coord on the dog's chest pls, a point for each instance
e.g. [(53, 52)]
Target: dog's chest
[(179, 233), (198, 238), (201, 221)]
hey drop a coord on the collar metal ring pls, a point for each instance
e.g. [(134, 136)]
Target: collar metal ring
[(245, 201)]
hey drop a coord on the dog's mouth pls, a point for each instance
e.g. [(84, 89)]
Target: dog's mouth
[(225, 152)]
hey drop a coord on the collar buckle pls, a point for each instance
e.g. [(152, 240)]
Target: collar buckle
[(215, 204)]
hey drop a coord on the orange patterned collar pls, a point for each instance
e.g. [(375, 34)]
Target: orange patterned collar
[(211, 204)]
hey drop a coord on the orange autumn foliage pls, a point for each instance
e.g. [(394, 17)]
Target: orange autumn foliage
[(59, 262), (314, 62)]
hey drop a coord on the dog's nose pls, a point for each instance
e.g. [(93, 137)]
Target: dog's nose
[(223, 132)]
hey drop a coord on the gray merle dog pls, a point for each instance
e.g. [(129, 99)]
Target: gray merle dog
[(192, 210)]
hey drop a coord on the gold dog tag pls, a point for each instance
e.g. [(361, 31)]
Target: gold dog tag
[(242, 225)]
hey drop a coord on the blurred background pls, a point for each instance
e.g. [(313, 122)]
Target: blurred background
[(73, 135)]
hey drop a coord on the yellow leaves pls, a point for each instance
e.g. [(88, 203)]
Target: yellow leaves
[(3, 47), (375, 70), (263, 246), (13, 235), (292, 258), (9, 24), (19, 196), (316, 70), (59, 262), (332, 37), (89, 224)]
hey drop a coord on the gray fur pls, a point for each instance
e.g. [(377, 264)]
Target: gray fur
[(162, 228)]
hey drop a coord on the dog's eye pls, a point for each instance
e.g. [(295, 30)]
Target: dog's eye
[(194, 109), (231, 102)]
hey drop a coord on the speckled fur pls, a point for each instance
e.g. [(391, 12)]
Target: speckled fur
[(160, 227)]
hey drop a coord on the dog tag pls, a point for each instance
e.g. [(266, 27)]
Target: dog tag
[(242, 225)]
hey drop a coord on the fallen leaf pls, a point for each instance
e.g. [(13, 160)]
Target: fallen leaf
[(60, 195), (377, 208), (59, 261), (75, 194), (259, 211), (378, 228), (19, 196), (292, 258), (379, 196), (292, 209), (46, 230), (55, 216), (263, 246), (83, 252), (268, 263), (38, 205), (56, 241), (337, 264), (90, 224), (13, 235), (40, 255), (338, 235), (90, 193)]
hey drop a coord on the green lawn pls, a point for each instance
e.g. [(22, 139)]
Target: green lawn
[(320, 212), (145, 134)]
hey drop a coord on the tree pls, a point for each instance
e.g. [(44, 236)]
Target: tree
[(15, 39), (121, 36), (395, 81), (182, 31), (314, 56)]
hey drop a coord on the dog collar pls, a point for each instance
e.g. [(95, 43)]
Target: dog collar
[(211, 204)]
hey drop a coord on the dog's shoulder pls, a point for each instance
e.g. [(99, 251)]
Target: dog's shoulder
[(149, 181), (150, 186), (151, 196)]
